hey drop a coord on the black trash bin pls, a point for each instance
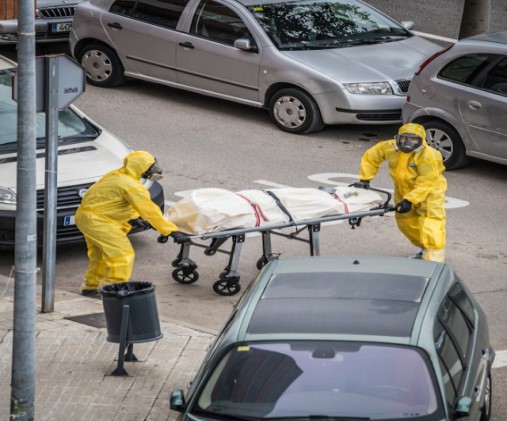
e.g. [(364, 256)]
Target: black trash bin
[(143, 324)]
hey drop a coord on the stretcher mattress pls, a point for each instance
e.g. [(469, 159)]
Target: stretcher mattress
[(209, 210)]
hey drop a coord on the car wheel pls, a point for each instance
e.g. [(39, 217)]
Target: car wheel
[(102, 65), (294, 111), (447, 141), (488, 392)]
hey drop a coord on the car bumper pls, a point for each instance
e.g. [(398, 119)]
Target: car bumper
[(46, 30), (66, 230), (345, 108)]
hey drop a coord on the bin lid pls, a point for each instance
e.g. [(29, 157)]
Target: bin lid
[(125, 289)]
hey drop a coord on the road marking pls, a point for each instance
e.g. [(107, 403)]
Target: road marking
[(437, 37), (500, 359)]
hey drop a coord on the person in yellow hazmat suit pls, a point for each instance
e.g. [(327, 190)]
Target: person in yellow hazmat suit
[(419, 187), (104, 214)]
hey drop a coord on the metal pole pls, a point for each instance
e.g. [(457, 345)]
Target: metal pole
[(50, 192), (25, 254)]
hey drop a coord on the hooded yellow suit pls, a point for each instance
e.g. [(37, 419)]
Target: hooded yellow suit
[(103, 216), (418, 178)]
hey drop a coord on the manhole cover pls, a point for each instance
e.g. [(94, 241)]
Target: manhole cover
[(95, 319)]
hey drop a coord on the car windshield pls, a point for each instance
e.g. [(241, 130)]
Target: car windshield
[(318, 24), (304, 379), (71, 127)]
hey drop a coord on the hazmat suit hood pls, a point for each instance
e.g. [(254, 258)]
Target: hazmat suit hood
[(414, 129), (137, 163)]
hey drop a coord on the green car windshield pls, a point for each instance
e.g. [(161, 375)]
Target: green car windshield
[(302, 379), (325, 24), (71, 127)]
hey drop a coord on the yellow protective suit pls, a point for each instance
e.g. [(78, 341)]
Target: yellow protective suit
[(418, 178), (103, 216)]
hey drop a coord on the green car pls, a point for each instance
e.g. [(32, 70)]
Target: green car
[(347, 338)]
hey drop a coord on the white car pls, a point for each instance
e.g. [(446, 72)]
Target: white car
[(86, 151)]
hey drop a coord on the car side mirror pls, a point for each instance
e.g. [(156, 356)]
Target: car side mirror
[(245, 44), (177, 401), (407, 24), (463, 406)]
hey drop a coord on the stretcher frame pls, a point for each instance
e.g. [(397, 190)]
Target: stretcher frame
[(228, 283)]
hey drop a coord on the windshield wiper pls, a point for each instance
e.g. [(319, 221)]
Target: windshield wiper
[(8, 146)]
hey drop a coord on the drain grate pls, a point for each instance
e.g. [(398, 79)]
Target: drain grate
[(97, 320)]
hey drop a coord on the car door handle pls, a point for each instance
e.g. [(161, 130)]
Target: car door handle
[(186, 44), (115, 25), (474, 105)]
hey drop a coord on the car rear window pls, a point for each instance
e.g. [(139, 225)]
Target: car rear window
[(467, 68), (324, 378)]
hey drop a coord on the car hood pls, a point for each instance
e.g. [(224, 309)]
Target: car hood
[(80, 163), (369, 63)]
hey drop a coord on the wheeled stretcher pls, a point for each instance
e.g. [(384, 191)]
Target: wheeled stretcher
[(268, 212)]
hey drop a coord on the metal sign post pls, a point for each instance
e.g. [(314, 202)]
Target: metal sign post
[(64, 82), (58, 81)]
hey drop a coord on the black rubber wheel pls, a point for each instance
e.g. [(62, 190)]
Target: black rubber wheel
[(185, 275), (294, 111), (223, 287), (102, 65), (261, 262), (447, 141), (488, 401)]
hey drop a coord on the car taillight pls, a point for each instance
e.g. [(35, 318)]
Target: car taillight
[(433, 57)]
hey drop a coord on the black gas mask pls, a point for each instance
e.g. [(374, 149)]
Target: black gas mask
[(408, 142), (153, 173)]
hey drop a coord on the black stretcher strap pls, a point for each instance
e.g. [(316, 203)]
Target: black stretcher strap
[(280, 204)]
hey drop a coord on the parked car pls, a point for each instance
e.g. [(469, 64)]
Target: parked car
[(308, 63), (346, 338), (53, 20), (86, 151), (460, 96)]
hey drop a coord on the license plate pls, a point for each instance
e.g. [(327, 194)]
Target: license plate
[(69, 220), (60, 27)]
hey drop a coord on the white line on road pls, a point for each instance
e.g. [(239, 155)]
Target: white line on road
[(500, 359), (437, 37)]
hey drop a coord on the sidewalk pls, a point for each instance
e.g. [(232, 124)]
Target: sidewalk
[(74, 363)]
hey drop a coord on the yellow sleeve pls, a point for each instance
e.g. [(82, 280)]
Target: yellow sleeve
[(139, 199), (372, 160)]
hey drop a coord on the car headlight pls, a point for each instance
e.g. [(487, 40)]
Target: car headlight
[(7, 196), (369, 88)]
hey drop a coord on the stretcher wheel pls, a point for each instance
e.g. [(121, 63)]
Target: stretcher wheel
[(185, 275), (261, 262), (224, 287)]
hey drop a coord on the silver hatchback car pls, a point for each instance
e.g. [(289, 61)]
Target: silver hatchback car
[(460, 96), (310, 63)]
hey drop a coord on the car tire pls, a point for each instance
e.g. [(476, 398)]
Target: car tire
[(294, 111), (488, 403), (447, 141), (102, 66)]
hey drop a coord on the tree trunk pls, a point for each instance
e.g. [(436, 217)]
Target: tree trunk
[(475, 18)]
